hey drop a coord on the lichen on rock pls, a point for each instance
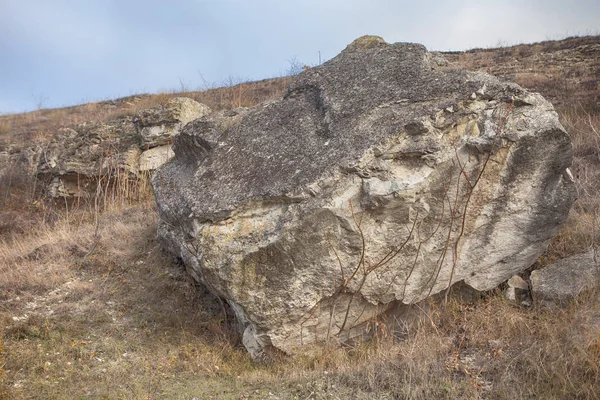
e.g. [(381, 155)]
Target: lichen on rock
[(157, 125)]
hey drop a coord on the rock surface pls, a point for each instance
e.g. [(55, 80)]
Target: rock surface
[(120, 149), (518, 291), (564, 280), (157, 125), (76, 159), (380, 178), (155, 157)]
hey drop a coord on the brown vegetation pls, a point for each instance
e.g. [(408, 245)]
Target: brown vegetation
[(107, 315), (91, 307), (23, 204), (19, 130)]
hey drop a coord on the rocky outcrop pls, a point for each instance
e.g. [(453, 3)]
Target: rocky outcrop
[(381, 178), (157, 125), (563, 281), (16, 158), (78, 159), (155, 157)]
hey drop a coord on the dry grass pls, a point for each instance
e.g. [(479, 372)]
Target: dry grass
[(42, 125), (104, 315), (3, 389), (582, 229), (23, 203), (113, 317), (488, 349)]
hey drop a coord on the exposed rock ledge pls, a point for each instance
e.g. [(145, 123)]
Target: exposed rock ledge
[(380, 178), (122, 149)]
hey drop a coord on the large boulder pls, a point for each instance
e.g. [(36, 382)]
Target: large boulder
[(381, 178)]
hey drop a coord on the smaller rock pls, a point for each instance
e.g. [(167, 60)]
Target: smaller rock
[(562, 281), (518, 291)]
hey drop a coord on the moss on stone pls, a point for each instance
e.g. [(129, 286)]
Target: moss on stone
[(367, 42)]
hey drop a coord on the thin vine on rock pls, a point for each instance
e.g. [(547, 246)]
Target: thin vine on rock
[(454, 206)]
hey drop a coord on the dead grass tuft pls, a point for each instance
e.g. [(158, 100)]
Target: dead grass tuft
[(489, 348), (81, 307)]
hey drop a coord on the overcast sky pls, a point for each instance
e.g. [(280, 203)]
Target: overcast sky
[(56, 53)]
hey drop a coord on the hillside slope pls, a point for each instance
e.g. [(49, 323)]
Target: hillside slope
[(90, 307)]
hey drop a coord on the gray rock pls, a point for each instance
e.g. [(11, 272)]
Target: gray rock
[(157, 125), (155, 157), (75, 160), (19, 160), (378, 180), (562, 281), (120, 149), (518, 291)]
